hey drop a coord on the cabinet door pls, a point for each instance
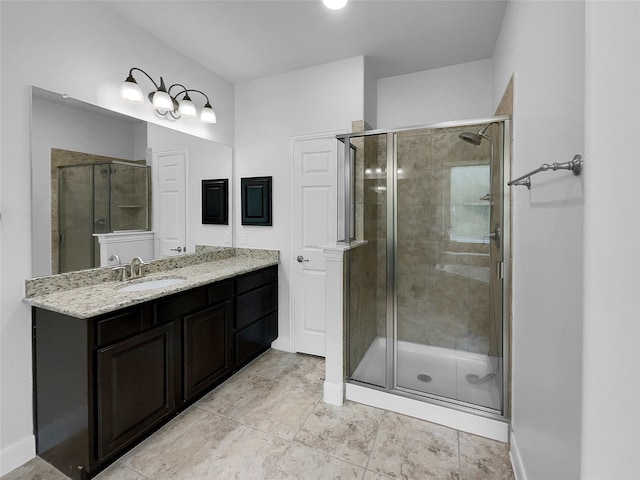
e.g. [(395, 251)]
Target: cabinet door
[(206, 348), (134, 387)]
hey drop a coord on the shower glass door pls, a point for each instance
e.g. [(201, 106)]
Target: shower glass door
[(443, 267), (425, 264), (75, 220)]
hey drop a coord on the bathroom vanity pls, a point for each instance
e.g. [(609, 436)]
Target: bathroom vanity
[(114, 370)]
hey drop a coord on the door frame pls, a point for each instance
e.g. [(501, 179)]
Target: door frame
[(331, 134), (152, 159)]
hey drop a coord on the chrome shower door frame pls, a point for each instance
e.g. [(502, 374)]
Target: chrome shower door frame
[(392, 262)]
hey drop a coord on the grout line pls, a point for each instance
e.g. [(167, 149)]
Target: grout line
[(375, 440)]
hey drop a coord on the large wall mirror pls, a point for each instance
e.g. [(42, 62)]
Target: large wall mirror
[(107, 187)]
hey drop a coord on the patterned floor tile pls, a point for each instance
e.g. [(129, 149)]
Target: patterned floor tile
[(345, 432), (409, 448)]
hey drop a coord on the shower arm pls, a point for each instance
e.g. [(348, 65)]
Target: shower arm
[(574, 165)]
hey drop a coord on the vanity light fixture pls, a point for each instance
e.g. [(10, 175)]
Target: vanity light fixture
[(334, 4), (166, 103)]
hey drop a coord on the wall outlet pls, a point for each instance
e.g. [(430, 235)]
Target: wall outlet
[(245, 239), (227, 238)]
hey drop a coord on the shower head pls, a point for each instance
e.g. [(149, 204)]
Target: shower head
[(476, 138), (470, 137)]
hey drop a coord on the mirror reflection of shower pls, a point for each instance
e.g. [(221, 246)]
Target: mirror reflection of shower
[(99, 196)]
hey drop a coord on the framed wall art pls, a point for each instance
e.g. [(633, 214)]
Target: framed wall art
[(256, 201)]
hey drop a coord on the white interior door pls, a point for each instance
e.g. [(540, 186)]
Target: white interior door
[(170, 202), (314, 211)]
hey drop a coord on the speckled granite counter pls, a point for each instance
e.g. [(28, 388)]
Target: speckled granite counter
[(94, 292)]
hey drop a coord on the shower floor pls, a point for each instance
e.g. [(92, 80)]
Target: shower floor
[(446, 372)]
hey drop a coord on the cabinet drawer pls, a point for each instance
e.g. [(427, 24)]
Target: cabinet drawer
[(178, 305), (118, 327), (220, 292), (252, 340), (255, 304), (256, 279)]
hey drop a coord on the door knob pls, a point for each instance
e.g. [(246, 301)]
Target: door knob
[(301, 259), (179, 249)]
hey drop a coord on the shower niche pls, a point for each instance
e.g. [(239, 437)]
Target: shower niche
[(426, 268), (96, 195)]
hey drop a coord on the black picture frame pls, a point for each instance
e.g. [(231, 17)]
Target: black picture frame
[(256, 201), (215, 202)]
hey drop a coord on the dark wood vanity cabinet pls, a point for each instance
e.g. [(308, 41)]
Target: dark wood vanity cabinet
[(103, 384), (134, 387), (206, 343), (256, 319)]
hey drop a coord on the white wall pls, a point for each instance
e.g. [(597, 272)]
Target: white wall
[(611, 368), (269, 112), (54, 125), (370, 96), (444, 94), (79, 49), (207, 160), (543, 43)]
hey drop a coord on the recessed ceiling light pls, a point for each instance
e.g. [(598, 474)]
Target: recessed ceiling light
[(334, 4)]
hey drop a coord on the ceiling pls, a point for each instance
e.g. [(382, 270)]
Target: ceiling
[(245, 40)]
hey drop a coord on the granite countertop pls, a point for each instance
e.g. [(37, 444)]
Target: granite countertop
[(89, 301)]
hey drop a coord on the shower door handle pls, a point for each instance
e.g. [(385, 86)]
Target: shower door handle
[(495, 235)]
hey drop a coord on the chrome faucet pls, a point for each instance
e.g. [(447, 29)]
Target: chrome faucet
[(137, 268), (115, 257)]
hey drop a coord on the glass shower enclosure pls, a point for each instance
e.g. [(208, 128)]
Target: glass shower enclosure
[(98, 198), (428, 233)]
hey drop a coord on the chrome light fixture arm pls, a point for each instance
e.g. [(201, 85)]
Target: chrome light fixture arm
[(131, 79)]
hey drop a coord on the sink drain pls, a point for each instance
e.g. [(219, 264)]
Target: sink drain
[(423, 377)]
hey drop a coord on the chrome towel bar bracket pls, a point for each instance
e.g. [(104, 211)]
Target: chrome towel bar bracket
[(574, 165)]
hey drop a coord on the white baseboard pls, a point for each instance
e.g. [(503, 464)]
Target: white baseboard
[(516, 459), (333, 393), (15, 455), (466, 422), (282, 343)]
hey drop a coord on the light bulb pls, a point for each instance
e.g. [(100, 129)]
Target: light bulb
[(187, 107), (334, 4), (207, 115), (131, 91), (162, 100)]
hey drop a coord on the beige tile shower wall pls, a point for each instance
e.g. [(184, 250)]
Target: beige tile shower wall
[(130, 198), (442, 298)]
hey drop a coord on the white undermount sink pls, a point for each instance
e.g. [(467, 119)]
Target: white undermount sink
[(151, 284)]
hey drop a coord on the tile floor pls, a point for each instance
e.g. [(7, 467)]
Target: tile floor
[(268, 422)]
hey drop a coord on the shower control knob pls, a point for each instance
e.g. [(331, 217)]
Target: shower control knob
[(301, 259)]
